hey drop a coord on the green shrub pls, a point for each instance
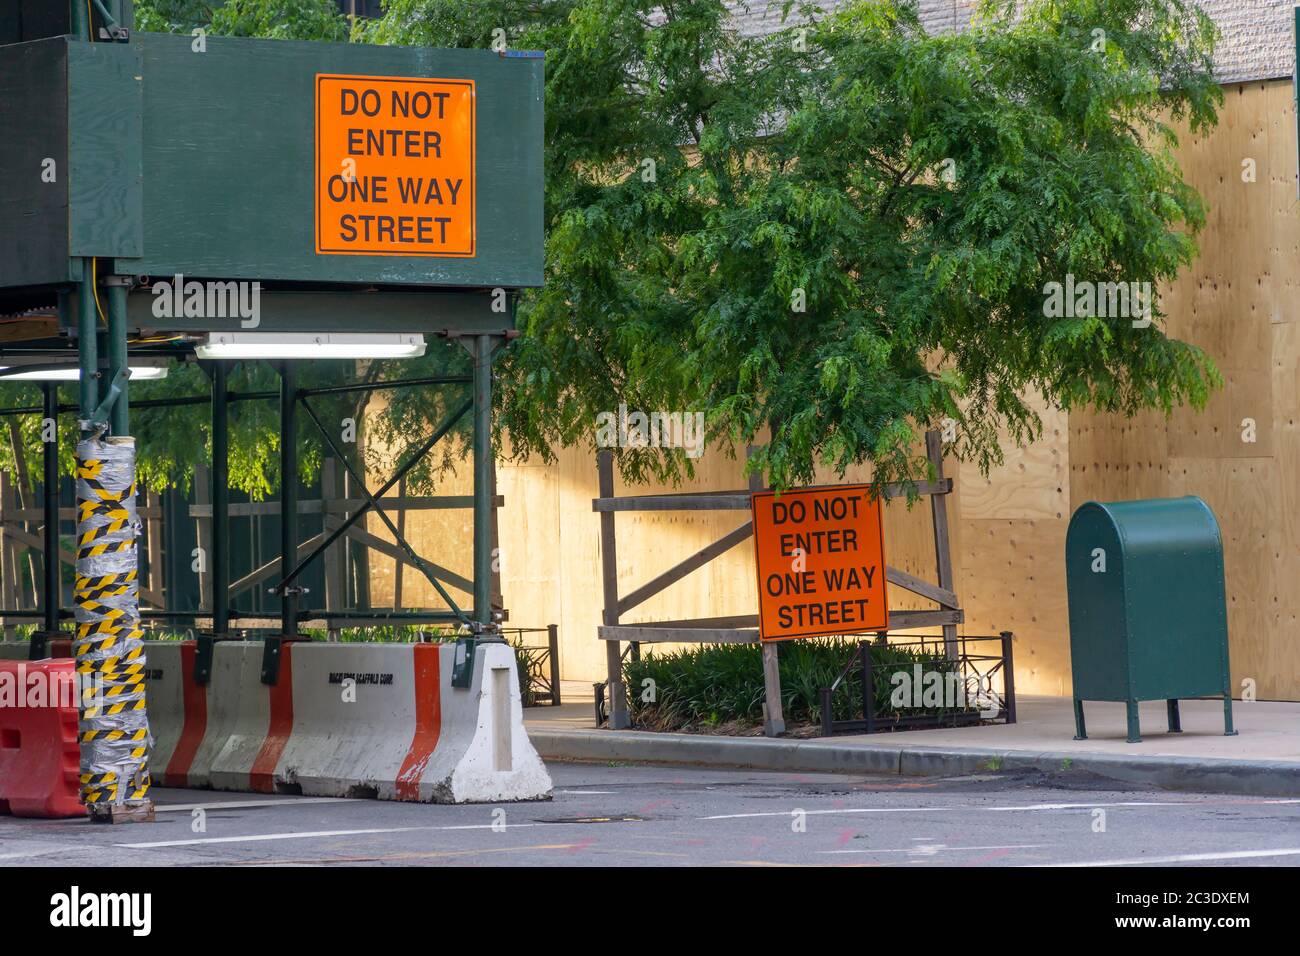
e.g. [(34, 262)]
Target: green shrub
[(385, 634), (723, 683)]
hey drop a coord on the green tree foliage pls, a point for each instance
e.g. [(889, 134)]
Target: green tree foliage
[(834, 236), (702, 186), (273, 19)]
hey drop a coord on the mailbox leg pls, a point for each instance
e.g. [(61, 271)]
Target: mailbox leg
[(1175, 724), (1081, 732), (1227, 715), (1134, 728)]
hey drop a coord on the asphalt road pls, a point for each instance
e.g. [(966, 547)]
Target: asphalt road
[(667, 816)]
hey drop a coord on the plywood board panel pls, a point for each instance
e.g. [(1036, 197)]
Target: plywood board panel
[(1279, 282), (1032, 482), (1285, 382), (529, 539), (1016, 582), (1113, 458), (1237, 422), (1242, 494), (1216, 303), (577, 558), (1285, 525)]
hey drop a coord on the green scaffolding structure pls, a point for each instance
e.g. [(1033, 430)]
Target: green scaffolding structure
[(238, 196)]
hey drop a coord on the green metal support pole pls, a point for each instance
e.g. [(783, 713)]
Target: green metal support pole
[(289, 492), (220, 500), (288, 522), (87, 344), (484, 628), (219, 372), (116, 289), (50, 591), (80, 25), (483, 480)]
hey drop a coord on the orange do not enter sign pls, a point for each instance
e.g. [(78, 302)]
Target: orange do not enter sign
[(821, 562), (394, 166)]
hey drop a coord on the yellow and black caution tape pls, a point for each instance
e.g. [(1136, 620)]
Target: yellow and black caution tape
[(114, 732)]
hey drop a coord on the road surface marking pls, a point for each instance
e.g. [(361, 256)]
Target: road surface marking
[(1136, 803), (917, 852), (248, 804), (1090, 806), (813, 813), (323, 834), (1022, 807)]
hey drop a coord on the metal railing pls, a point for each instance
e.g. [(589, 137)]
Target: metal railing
[(973, 670), (539, 664)]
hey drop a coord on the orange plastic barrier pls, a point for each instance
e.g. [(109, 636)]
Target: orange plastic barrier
[(39, 755)]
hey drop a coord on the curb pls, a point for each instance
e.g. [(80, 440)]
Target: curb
[(1209, 775)]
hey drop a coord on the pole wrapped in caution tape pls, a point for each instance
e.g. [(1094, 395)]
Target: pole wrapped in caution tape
[(115, 738)]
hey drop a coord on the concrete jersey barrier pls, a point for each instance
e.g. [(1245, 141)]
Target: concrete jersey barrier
[(371, 720)]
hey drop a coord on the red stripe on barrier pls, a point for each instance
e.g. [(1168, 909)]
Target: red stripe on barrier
[(428, 722), (261, 779), (194, 724)]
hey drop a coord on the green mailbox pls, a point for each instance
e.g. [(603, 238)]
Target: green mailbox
[(1148, 617)]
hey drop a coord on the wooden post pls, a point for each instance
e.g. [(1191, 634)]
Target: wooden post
[(773, 715), (359, 553), (617, 696), (553, 645), (942, 543), (773, 712)]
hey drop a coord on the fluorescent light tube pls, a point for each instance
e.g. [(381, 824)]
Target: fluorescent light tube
[(310, 345), (143, 373)]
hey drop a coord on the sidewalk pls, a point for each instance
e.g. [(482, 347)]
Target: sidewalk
[(1263, 759)]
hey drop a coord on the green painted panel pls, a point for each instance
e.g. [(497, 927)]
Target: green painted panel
[(106, 176), (33, 118), (425, 311), (229, 162)]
